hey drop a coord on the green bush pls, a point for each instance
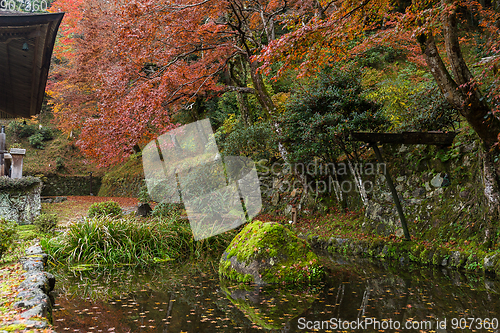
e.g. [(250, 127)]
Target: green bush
[(13, 128), (257, 141), (8, 233), (321, 114), (34, 134), (46, 223), (108, 208), (26, 131), (46, 133), (165, 209), (36, 141)]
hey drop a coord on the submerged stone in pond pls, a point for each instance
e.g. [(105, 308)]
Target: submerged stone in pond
[(267, 253)]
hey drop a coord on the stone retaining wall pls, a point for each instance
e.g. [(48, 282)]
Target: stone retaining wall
[(34, 290), (407, 252), (21, 205), (56, 185)]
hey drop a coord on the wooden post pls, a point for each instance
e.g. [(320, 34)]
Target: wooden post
[(90, 179), (394, 193), (3, 172), (294, 215)]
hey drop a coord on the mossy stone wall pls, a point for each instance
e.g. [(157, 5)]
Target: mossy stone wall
[(56, 185), (440, 188), (409, 251), (21, 203)]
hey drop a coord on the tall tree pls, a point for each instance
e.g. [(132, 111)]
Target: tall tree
[(139, 62), (348, 28)]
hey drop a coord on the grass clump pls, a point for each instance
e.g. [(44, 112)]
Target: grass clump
[(107, 241), (108, 208), (45, 223), (165, 209)]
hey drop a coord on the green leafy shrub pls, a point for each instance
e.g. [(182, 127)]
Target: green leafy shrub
[(14, 128), (320, 115), (34, 134), (8, 233), (25, 131), (46, 223), (20, 129), (257, 141), (108, 208), (36, 141), (47, 133)]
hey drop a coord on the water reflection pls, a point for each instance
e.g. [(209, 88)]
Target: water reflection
[(271, 308), (191, 299)]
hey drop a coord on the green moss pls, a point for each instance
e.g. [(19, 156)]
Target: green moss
[(13, 328), (21, 184), (123, 180), (426, 256), (439, 255), (290, 258)]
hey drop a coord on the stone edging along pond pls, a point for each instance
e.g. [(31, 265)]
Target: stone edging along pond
[(34, 290), (406, 252)]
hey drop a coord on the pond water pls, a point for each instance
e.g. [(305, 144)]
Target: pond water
[(376, 295)]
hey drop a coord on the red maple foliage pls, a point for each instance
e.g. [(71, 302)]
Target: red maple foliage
[(139, 62)]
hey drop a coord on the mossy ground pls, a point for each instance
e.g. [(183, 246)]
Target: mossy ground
[(125, 179), (291, 259)]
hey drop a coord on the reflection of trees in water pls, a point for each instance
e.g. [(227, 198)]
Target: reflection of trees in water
[(271, 307), (352, 290), (386, 290)]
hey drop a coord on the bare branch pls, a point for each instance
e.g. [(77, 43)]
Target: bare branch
[(245, 90), (181, 7)]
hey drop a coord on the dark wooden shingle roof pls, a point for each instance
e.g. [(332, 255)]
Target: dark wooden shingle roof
[(26, 44)]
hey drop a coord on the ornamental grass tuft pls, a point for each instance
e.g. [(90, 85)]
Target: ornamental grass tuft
[(108, 241)]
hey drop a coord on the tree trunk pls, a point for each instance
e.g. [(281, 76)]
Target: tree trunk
[(260, 89), (461, 91), (245, 112)]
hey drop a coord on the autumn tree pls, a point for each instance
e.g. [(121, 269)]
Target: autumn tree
[(351, 27), (137, 63)]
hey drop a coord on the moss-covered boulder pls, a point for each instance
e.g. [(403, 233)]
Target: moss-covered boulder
[(269, 253)]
